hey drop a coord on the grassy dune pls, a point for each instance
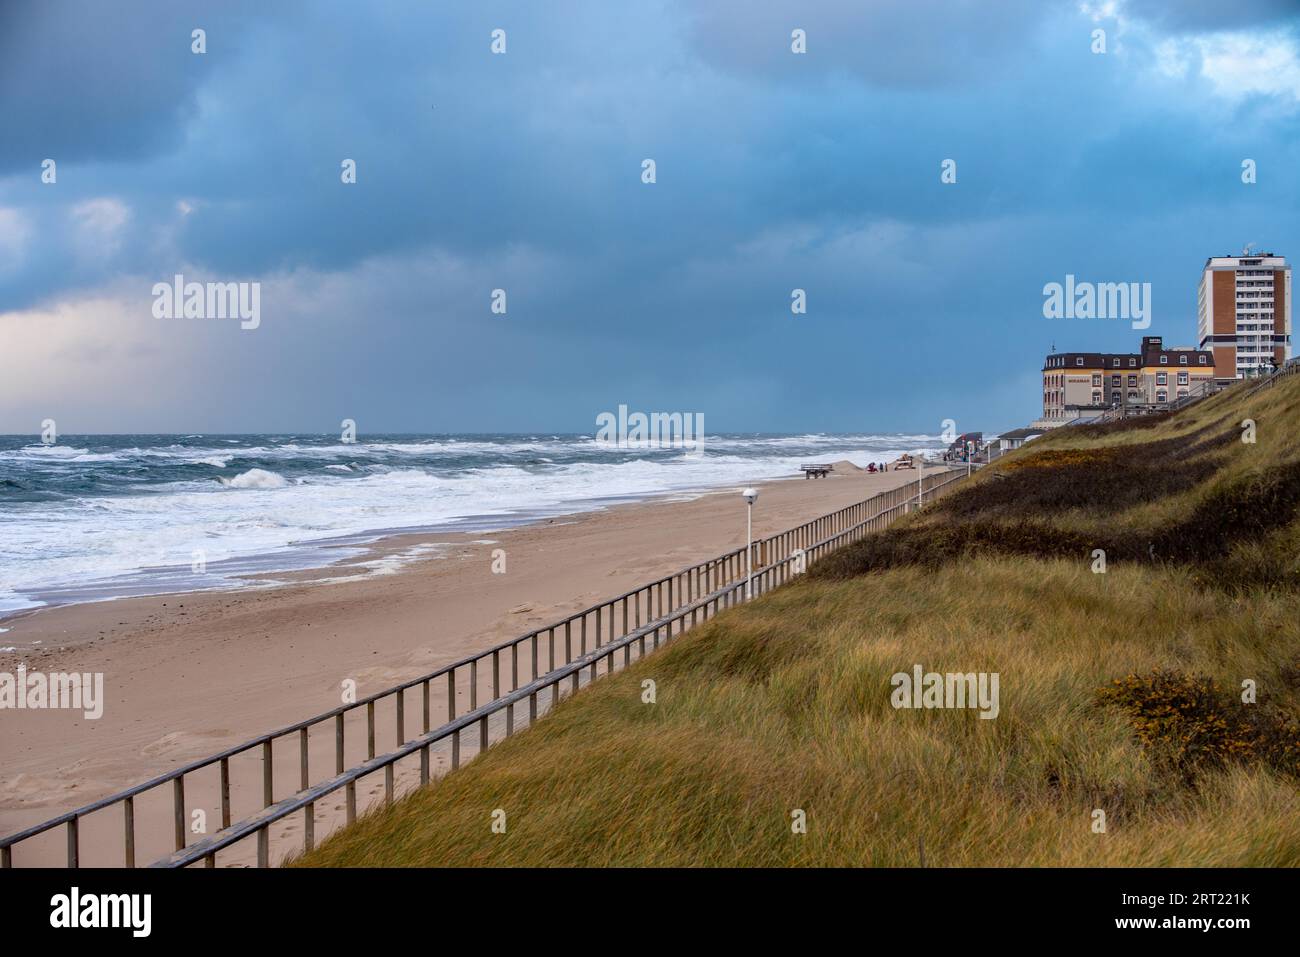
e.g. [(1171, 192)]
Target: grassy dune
[(784, 704)]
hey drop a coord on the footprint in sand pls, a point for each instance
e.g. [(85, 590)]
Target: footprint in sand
[(375, 678), (181, 742), (423, 658), (27, 790)]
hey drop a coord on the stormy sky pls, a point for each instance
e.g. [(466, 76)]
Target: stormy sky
[(522, 171)]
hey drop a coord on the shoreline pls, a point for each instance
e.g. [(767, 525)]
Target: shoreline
[(278, 568), (369, 547), (186, 675), (111, 517), (365, 553), (371, 550)]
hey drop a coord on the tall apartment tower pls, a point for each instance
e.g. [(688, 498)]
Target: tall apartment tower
[(1244, 313)]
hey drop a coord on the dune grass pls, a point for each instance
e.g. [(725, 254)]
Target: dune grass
[(1181, 489), (1119, 692)]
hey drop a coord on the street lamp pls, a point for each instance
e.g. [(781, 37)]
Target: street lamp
[(751, 496), (919, 459)]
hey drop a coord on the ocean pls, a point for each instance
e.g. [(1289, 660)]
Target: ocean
[(100, 517)]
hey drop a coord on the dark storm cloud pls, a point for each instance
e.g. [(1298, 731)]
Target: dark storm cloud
[(775, 171), (86, 80)]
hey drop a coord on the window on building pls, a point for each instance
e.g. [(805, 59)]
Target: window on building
[(1162, 396), (1132, 381), (1182, 378), (1078, 362), (1164, 360), (1182, 360), (1132, 363), (1202, 360), (1162, 378), (1096, 381)]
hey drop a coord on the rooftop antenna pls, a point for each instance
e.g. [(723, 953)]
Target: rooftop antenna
[(1245, 250)]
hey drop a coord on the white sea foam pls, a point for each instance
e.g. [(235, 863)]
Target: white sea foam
[(64, 453), (73, 541), (255, 478)]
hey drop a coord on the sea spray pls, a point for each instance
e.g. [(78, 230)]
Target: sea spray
[(255, 478)]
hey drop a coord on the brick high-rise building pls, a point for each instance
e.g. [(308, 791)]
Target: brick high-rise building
[(1244, 313)]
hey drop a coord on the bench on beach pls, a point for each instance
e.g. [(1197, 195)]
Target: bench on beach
[(816, 471)]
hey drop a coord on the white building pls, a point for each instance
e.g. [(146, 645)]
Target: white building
[(1244, 313)]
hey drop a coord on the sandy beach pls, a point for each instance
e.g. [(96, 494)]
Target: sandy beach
[(189, 674)]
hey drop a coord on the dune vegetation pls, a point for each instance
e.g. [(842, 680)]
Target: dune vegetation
[(1158, 683)]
